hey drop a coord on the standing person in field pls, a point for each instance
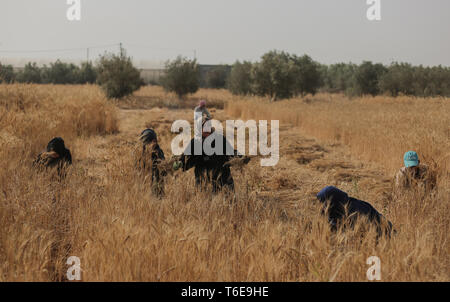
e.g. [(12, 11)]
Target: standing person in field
[(215, 168), (201, 115), (414, 174), (201, 109), (152, 155)]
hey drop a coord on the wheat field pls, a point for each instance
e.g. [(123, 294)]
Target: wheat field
[(104, 212)]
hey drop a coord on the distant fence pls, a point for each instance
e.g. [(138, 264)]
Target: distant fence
[(152, 76)]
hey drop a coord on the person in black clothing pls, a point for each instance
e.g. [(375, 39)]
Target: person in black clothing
[(202, 170), (210, 168), (341, 204), (152, 155), (55, 155)]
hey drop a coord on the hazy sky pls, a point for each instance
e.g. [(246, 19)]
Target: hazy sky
[(222, 31)]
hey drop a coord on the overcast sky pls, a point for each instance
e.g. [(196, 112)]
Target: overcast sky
[(222, 31)]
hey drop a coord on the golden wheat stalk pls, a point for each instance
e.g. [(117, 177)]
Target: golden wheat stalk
[(238, 162), (49, 155)]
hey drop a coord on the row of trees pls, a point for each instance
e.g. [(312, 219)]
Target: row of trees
[(280, 75), (416, 80), (7, 74), (56, 73), (114, 73), (277, 75), (396, 79)]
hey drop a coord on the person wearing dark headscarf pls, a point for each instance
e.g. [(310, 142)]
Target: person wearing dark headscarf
[(55, 155), (152, 155), (340, 204)]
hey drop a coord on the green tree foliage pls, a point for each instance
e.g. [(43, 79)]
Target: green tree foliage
[(217, 77), (367, 78), (117, 76), (86, 74), (307, 75), (7, 74), (338, 77), (438, 79), (396, 79), (30, 74), (277, 75), (60, 73), (280, 75), (274, 76), (240, 79), (403, 78), (182, 76)]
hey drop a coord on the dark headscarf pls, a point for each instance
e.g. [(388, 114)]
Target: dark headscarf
[(332, 194), (147, 136)]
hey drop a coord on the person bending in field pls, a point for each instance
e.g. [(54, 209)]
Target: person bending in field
[(152, 155), (341, 206), (56, 156), (215, 168), (414, 174)]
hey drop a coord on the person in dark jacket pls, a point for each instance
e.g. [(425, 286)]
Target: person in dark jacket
[(339, 204), (55, 155), (189, 160), (210, 168), (152, 155)]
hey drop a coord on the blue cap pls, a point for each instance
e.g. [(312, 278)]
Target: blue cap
[(411, 159)]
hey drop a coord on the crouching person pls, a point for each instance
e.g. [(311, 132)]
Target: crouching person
[(340, 205), (414, 175), (152, 155), (56, 156)]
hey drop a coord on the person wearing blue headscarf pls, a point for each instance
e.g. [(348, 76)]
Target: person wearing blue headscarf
[(340, 205)]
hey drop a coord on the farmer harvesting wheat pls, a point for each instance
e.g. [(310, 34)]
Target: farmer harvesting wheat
[(213, 168), (152, 154), (55, 155), (414, 174), (339, 204)]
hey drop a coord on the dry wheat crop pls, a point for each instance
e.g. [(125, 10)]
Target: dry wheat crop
[(104, 213)]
